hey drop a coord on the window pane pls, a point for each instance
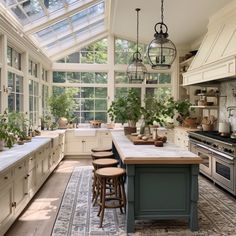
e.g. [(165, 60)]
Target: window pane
[(88, 104), (101, 78), (165, 78), (31, 89), (11, 106), (100, 105), (88, 116), (101, 116), (59, 77), (73, 77), (87, 77), (73, 58), (88, 92), (100, 92), (121, 78)]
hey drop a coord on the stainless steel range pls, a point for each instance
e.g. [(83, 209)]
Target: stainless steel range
[(219, 157)]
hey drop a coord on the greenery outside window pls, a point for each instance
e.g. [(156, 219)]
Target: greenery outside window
[(124, 50), (15, 98), (95, 53), (80, 77)]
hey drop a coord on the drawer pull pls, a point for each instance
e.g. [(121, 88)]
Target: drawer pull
[(19, 167), (13, 204), (31, 159), (5, 177)]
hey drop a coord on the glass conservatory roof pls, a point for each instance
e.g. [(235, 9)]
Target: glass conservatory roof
[(55, 25)]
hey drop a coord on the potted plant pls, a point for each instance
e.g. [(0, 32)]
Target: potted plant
[(126, 109), (62, 107), (156, 111), (183, 108), (8, 132)]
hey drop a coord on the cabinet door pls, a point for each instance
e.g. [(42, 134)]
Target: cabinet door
[(6, 206), (105, 139), (46, 159), (20, 186), (74, 146), (88, 144), (39, 168), (31, 182)]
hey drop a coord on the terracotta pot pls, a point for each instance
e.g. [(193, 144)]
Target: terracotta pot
[(62, 123), (129, 130)]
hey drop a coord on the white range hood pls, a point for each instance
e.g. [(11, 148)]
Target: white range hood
[(216, 57)]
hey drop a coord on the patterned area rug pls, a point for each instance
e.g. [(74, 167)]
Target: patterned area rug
[(77, 216)]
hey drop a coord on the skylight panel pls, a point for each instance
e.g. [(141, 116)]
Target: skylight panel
[(53, 5), (32, 9), (20, 15), (54, 30)]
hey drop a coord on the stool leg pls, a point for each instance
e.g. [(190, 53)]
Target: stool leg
[(123, 193), (103, 200)]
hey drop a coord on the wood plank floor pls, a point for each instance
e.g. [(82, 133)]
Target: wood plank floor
[(39, 216)]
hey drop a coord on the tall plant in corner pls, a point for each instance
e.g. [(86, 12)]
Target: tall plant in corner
[(62, 106)]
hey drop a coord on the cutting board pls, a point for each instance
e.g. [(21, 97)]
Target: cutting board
[(136, 141)]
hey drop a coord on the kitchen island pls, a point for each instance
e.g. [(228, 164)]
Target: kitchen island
[(162, 182)]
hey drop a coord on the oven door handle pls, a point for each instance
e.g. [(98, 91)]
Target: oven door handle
[(223, 159), (201, 148)]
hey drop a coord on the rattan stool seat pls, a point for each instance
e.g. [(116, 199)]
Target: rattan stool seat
[(97, 149), (99, 155)]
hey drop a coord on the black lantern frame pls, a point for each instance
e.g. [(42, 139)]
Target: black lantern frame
[(136, 71), (161, 50)]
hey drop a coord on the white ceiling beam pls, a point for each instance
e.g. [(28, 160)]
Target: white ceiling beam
[(78, 46), (58, 16)]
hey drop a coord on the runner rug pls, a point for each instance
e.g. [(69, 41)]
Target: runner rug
[(78, 217)]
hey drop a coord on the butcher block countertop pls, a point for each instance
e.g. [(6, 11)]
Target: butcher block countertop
[(150, 154)]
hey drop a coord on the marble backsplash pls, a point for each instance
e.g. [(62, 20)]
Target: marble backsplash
[(226, 89)]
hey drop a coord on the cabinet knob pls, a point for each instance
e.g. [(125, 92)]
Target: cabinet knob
[(5, 177), (19, 167), (13, 204)]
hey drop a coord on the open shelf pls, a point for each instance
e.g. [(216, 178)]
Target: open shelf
[(206, 107)]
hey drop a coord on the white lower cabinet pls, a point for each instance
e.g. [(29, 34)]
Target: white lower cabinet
[(20, 188), (82, 145), (21, 181), (7, 207)]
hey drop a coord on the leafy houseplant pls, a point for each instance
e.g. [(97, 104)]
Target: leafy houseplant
[(62, 106), (8, 131), (183, 108), (126, 109)]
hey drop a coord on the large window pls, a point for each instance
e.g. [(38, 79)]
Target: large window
[(33, 102), (95, 53), (91, 96), (13, 58), (15, 98)]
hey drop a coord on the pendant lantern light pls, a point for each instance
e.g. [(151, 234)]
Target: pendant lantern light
[(161, 51), (136, 71)]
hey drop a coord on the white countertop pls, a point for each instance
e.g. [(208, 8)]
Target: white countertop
[(150, 154), (9, 157)]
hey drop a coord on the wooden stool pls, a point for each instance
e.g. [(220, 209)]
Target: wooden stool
[(113, 176), (97, 149), (97, 164), (99, 155)]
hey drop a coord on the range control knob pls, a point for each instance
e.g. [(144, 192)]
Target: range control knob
[(215, 146)]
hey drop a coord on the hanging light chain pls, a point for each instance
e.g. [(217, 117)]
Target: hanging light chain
[(162, 11), (137, 9)]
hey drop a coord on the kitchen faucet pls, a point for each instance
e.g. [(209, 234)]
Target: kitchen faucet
[(229, 109)]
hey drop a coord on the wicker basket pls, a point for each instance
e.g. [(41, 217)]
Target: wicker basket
[(207, 127)]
